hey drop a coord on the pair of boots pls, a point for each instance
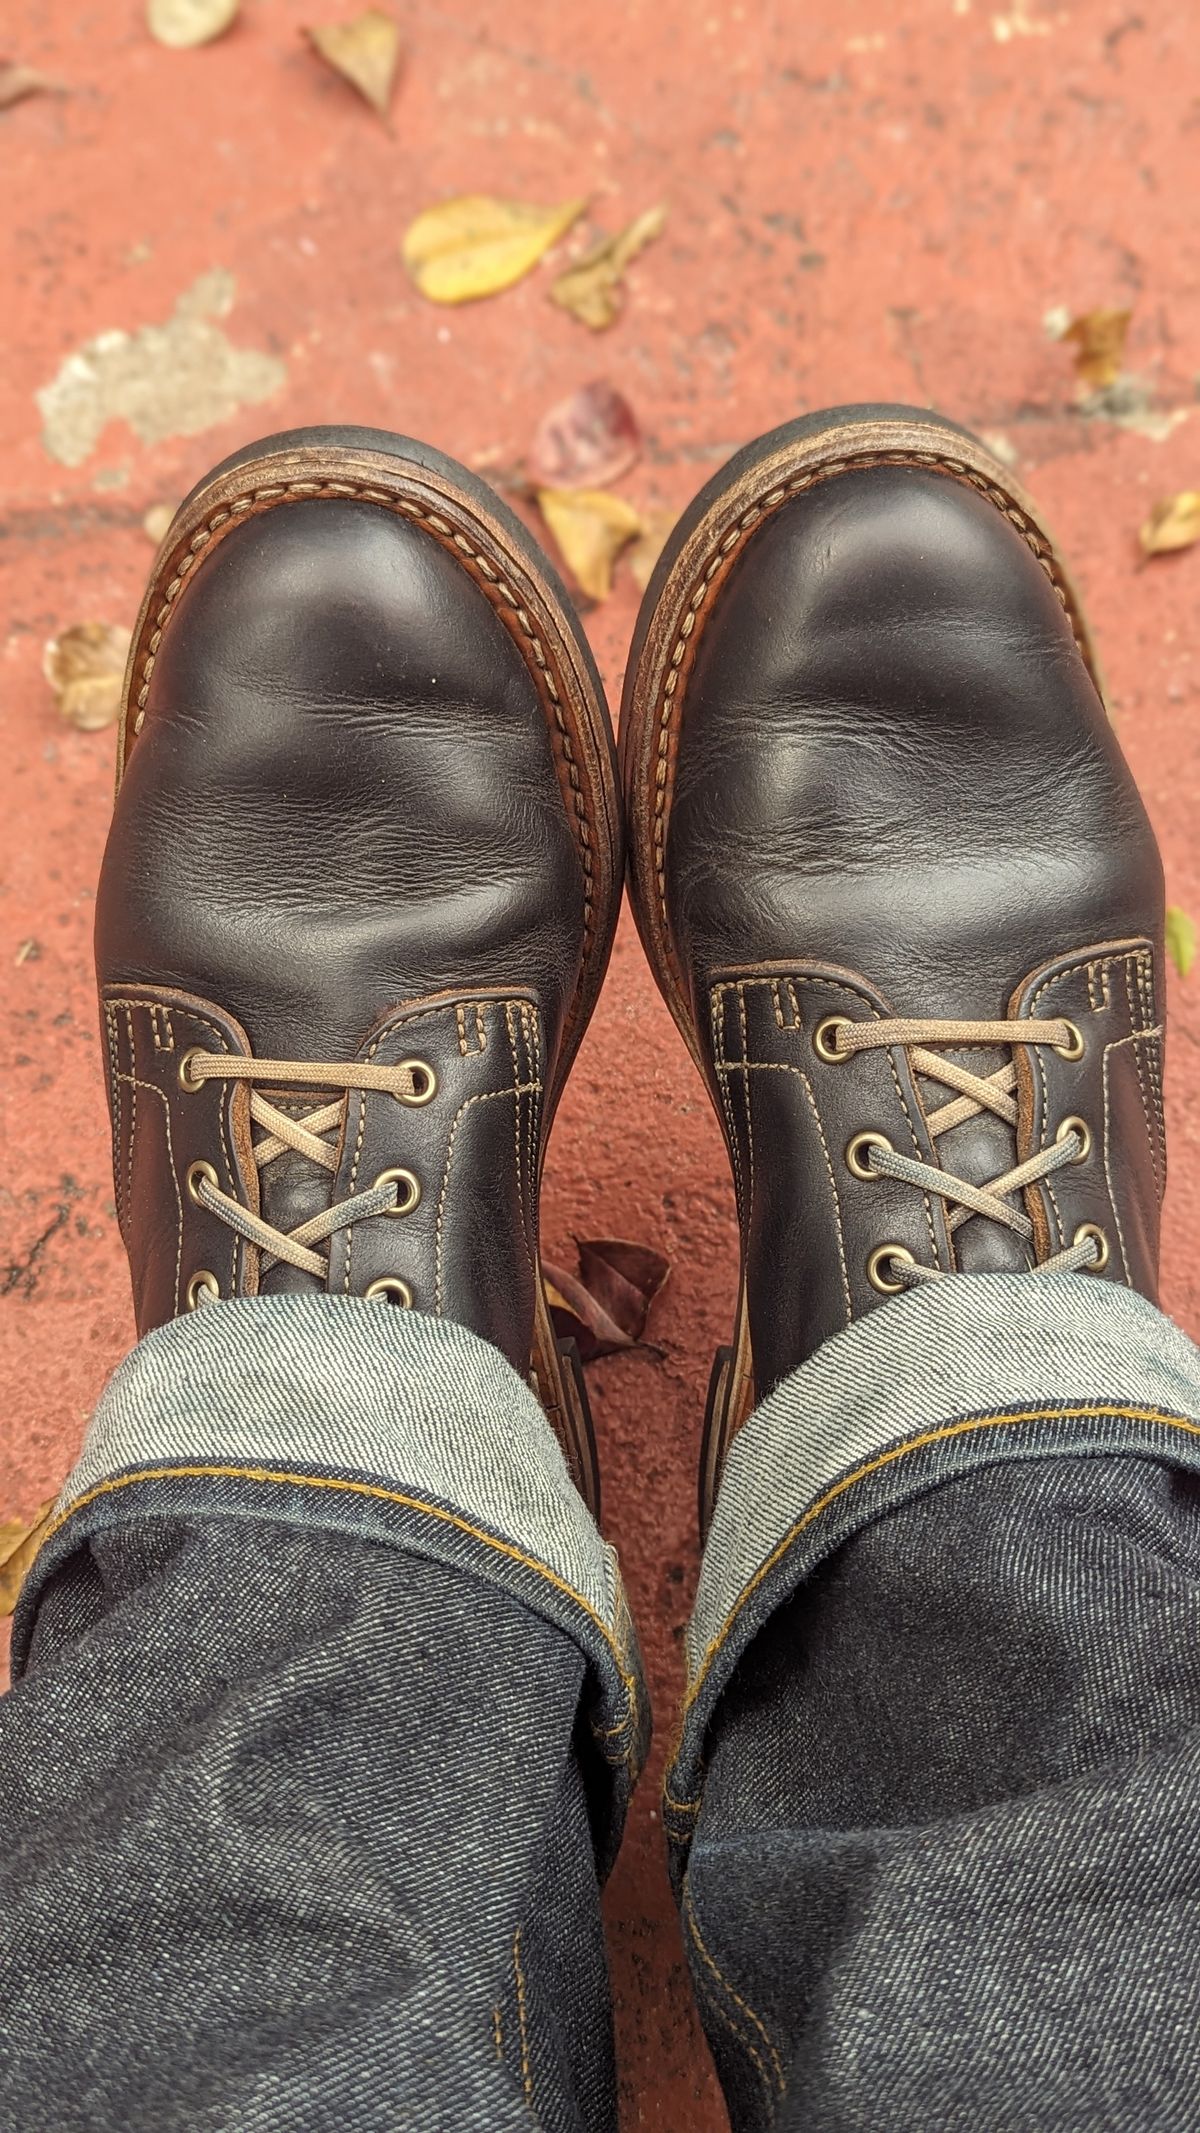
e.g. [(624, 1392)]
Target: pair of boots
[(328, 1703), (890, 869)]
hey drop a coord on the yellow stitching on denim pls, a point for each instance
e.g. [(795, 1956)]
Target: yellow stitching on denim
[(689, 1912), (889, 1458), (498, 2035), (380, 1495), (526, 2070)]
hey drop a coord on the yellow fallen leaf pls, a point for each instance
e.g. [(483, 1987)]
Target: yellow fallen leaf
[(591, 528), (85, 667), (475, 245), (592, 290), (20, 1540), (364, 51), (156, 522), (657, 527), (1173, 523), (1181, 939), (183, 24), (1099, 338)]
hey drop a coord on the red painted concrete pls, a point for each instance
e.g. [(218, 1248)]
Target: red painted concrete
[(866, 200)]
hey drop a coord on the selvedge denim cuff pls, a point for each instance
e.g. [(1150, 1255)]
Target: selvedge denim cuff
[(403, 1429), (952, 1376)]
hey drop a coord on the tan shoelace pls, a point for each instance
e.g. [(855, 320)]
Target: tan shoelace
[(974, 1094), (316, 1135)]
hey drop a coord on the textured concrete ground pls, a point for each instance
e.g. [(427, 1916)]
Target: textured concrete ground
[(867, 199)]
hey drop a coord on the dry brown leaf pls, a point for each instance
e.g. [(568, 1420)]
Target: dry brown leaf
[(591, 291), (585, 441), (365, 52), (1099, 338), (20, 1540), (85, 667), (17, 82), (657, 528), (183, 24), (591, 528), (605, 1307), (1174, 523), (156, 523), (475, 245)]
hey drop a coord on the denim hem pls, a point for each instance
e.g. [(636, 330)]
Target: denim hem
[(407, 1430), (950, 1377)]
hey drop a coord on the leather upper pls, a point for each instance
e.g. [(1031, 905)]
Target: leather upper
[(897, 793), (340, 836)]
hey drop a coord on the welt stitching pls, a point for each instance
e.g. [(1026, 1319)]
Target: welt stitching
[(780, 1066), (891, 1457), (689, 1910), (497, 589), (135, 1085), (377, 1493), (746, 524), (485, 1096)]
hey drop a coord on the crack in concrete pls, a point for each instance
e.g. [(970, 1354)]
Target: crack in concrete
[(21, 1276)]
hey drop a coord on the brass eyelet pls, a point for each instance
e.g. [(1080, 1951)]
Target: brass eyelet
[(185, 1076), (1073, 1048), (1093, 1229), (1084, 1131), (857, 1151), (201, 1173), (202, 1285), (412, 1190), (425, 1082), (390, 1289), (825, 1039), (879, 1259)]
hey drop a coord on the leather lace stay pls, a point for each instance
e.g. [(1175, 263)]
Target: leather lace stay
[(316, 1135), (974, 1095)]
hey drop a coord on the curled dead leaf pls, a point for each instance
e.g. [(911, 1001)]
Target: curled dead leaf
[(85, 667), (604, 1308), (475, 245), (1099, 338), (592, 290), (1173, 524), (657, 528), (364, 51), (586, 440), (156, 522), (20, 1540), (17, 82), (591, 528), (1181, 939)]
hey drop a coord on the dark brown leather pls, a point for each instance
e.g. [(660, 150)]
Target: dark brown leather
[(893, 790), (342, 833)]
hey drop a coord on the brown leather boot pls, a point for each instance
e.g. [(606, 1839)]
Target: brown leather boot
[(358, 896), (895, 882)]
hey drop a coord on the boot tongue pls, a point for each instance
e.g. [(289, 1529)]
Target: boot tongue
[(978, 1150), (292, 1190)]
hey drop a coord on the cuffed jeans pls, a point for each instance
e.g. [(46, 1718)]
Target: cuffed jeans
[(328, 1707)]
